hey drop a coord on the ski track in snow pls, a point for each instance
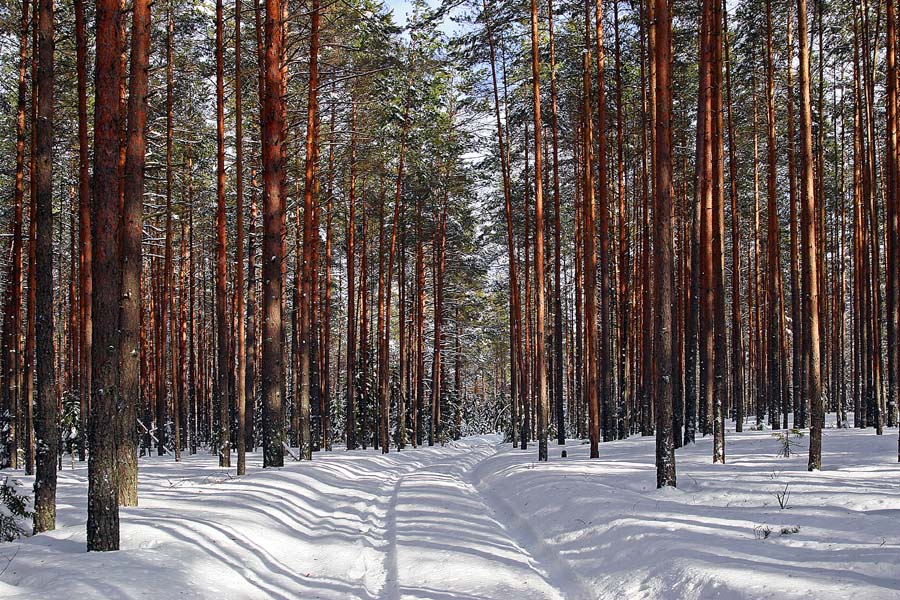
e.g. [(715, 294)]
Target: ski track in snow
[(476, 519)]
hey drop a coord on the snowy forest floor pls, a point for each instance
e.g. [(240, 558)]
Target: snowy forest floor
[(477, 519)]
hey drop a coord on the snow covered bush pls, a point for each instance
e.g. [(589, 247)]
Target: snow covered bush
[(13, 510)]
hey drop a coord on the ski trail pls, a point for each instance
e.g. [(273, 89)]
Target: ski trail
[(558, 570), (391, 588), (443, 542)]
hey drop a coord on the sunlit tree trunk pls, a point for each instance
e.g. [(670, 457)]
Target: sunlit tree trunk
[(808, 247), (543, 414), (223, 329), (240, 391)]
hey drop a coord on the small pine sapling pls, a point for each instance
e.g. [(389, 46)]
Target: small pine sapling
[(788, 441)]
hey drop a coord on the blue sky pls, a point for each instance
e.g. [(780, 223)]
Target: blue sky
[(402, 7)]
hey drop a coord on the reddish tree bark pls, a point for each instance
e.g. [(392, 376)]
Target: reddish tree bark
[(103, 511), (664, 251), (589, 271), (306, 293), (273, 249), (808, 247), (223, 391), (132, 265), (240, 396)]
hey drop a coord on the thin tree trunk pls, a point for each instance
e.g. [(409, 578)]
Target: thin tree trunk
[(515, 306), (800, 401), (773, 240), (607, 420), (590, 254), (240, 396), (306, 292), (543, 414), (222, 322), (557, 248), (12, 325), (737, 336), (350, 426), (810, 275)]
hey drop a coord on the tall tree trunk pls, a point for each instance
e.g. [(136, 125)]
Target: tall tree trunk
[(251, 336), (774, 289), (664, 253), (45, 423), (84, 224), (384, 344), (800, 401), (588, 212), (557, 248), (892, 163), (624, 293), (350, 413), (306, 292), (720, 391), (515, 306), (607, 416), (193, 384), (543, 413), (132, 262), (325, 408), (29, 374), (103, 510), (808, 246), (704, 187), (737, 336), (12, 326), (223, 392), (273, 249), (240, 391), (436, 432)]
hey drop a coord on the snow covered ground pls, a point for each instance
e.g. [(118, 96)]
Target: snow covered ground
[(477, 519)]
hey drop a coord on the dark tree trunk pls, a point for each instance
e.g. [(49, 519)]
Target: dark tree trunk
[(589, 272), (45, 422), (664, 252), (273, 249), (103, 511)]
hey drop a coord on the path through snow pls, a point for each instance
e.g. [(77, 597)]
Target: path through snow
[(477, 519)]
